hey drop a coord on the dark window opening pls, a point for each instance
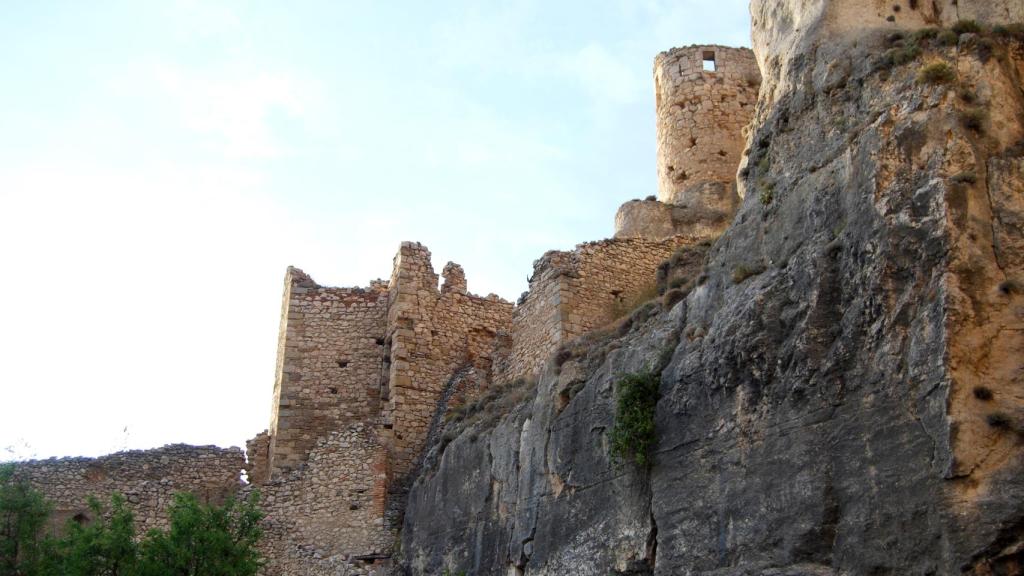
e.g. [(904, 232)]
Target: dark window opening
[(709, 62), (380, 341), (333, 390), (342, 363)]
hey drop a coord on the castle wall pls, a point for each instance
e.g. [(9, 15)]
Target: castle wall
[(331, 355), (432, 332), (574, 292), (148, 479), (701, 117), (328, 517)]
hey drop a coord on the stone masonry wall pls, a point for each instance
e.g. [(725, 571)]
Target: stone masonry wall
[(574, 292), (328, 517), (701, 117), (148, 479), (331, 356), (432, 333)]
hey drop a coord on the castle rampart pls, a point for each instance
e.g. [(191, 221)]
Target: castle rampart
[(574, 292), (363, 373)]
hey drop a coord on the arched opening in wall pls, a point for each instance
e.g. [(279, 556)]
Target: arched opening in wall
[(81, 519), (709, 61)]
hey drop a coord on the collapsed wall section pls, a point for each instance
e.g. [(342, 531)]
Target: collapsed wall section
[(148, 479), (572, 293), (330, 360)]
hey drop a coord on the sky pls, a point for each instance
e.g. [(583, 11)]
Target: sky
[(163, 162)]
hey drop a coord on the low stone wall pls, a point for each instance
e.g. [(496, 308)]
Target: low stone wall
[(656, 220), (148, 479)]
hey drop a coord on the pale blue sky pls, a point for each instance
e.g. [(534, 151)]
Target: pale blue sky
[(161, 163)]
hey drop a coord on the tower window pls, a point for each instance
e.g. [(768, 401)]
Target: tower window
[(709, 61)]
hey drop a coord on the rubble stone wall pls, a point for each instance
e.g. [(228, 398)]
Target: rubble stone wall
[(148, 479), (329, 370), (328, 517)]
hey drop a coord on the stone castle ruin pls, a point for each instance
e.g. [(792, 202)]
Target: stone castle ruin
[(704, 97), (363, 373)]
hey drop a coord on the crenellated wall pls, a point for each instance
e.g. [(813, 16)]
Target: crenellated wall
[(432, 332)]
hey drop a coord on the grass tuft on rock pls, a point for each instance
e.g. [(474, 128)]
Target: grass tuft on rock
[(936, 72)]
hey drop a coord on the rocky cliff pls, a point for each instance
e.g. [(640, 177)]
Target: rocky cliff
[(842, 387)]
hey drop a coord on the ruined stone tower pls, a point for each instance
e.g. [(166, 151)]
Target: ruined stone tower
[(704, 97)]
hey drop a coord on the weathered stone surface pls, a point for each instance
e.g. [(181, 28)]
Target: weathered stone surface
[(148, 479), (655, 220), (701, 118), (845, 397)]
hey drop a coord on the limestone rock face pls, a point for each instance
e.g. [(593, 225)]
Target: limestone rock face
[(787, 30), (842, 388)]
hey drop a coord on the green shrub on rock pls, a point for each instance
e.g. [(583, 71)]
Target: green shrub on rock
[(633, 435)]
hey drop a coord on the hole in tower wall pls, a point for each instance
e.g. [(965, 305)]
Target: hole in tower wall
[(342, 363), (709, 61)]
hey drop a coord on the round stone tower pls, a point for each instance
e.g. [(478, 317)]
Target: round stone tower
[(705, 97)]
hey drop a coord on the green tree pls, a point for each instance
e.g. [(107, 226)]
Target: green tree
[(23, 514), (204, 540), (104, 547)]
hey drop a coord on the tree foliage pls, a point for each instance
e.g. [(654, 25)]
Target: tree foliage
[(202, 540), (23, 513)]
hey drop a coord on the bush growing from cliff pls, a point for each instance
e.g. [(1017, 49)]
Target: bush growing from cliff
[(633, 435)]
